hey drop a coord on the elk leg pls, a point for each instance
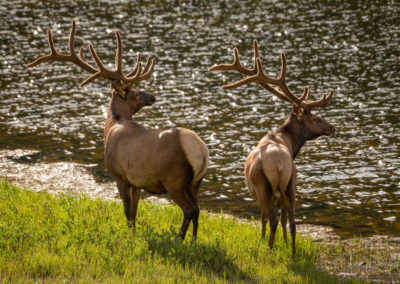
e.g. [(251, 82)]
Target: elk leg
[(189, 208), (194, 193), (292, 209), (284, 215), (135, 197), (188, 215), (292, 223), (125, 193), (195, 220), (273, 224), (264, 219)]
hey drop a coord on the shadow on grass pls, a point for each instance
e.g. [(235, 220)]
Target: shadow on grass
[(212, 259), (310, 272), (307, 268)]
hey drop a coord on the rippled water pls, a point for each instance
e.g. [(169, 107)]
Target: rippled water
[(349, 181)]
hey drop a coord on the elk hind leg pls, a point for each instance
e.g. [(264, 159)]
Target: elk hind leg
[(264, 220), (273, 224), (284, 215), (190, 210), (195, 220)]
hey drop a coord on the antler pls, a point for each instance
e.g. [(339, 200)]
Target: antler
[(127, 80), (257, 75)]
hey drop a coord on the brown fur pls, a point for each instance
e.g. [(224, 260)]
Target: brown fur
[(270, 172), (159, 161)]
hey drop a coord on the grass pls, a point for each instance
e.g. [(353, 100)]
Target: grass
[(66, 238)]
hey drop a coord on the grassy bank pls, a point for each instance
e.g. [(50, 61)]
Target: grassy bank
[(74, 238)]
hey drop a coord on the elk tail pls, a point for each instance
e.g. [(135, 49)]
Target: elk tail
[(277, 168)]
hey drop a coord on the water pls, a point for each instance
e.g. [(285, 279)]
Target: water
[(349, 181)]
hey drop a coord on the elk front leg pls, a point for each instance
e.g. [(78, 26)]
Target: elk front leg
[(135, 197), (128, 201), (292, 209), (292, 223)]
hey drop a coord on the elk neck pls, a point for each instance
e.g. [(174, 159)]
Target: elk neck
[(292, 133), (118, 111)]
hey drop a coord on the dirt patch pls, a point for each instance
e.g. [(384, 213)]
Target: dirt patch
[(375, 258), (17, 167)]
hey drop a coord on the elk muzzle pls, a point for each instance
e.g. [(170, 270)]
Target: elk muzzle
[(330, 130), (148, 98)]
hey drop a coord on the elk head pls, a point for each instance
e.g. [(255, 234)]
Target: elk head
[(308, 125), (122, 84)]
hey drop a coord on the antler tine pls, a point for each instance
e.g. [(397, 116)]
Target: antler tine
[(149, 69), (51, 43), (71, 40), (118, 55), (133, 73), (256, 54), (81, 54), (135, 78)]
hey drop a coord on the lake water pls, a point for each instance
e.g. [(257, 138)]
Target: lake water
[(350, 181)]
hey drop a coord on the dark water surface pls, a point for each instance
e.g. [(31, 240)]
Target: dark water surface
[(349, 181)]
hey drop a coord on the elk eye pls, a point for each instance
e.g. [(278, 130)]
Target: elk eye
[(314, 119)]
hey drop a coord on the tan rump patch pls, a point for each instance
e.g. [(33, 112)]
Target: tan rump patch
[(277, 167), (196, 152)]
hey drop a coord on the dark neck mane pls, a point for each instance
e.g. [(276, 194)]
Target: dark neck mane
[(292, 132)]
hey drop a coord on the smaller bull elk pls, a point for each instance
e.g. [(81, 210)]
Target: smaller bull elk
[(171, 161), (270, 172)]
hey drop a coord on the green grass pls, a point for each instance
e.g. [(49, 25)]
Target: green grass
[(66, 238)]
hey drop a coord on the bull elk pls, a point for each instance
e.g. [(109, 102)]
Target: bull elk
[(270, 172), (159, 161)]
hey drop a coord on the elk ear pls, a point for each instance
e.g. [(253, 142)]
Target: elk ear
[(298, 111), (118, 89)]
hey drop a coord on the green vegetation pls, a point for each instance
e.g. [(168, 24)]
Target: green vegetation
[(46, 238)]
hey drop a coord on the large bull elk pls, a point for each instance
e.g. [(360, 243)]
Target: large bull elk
[(270, 172), (159, 161)]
